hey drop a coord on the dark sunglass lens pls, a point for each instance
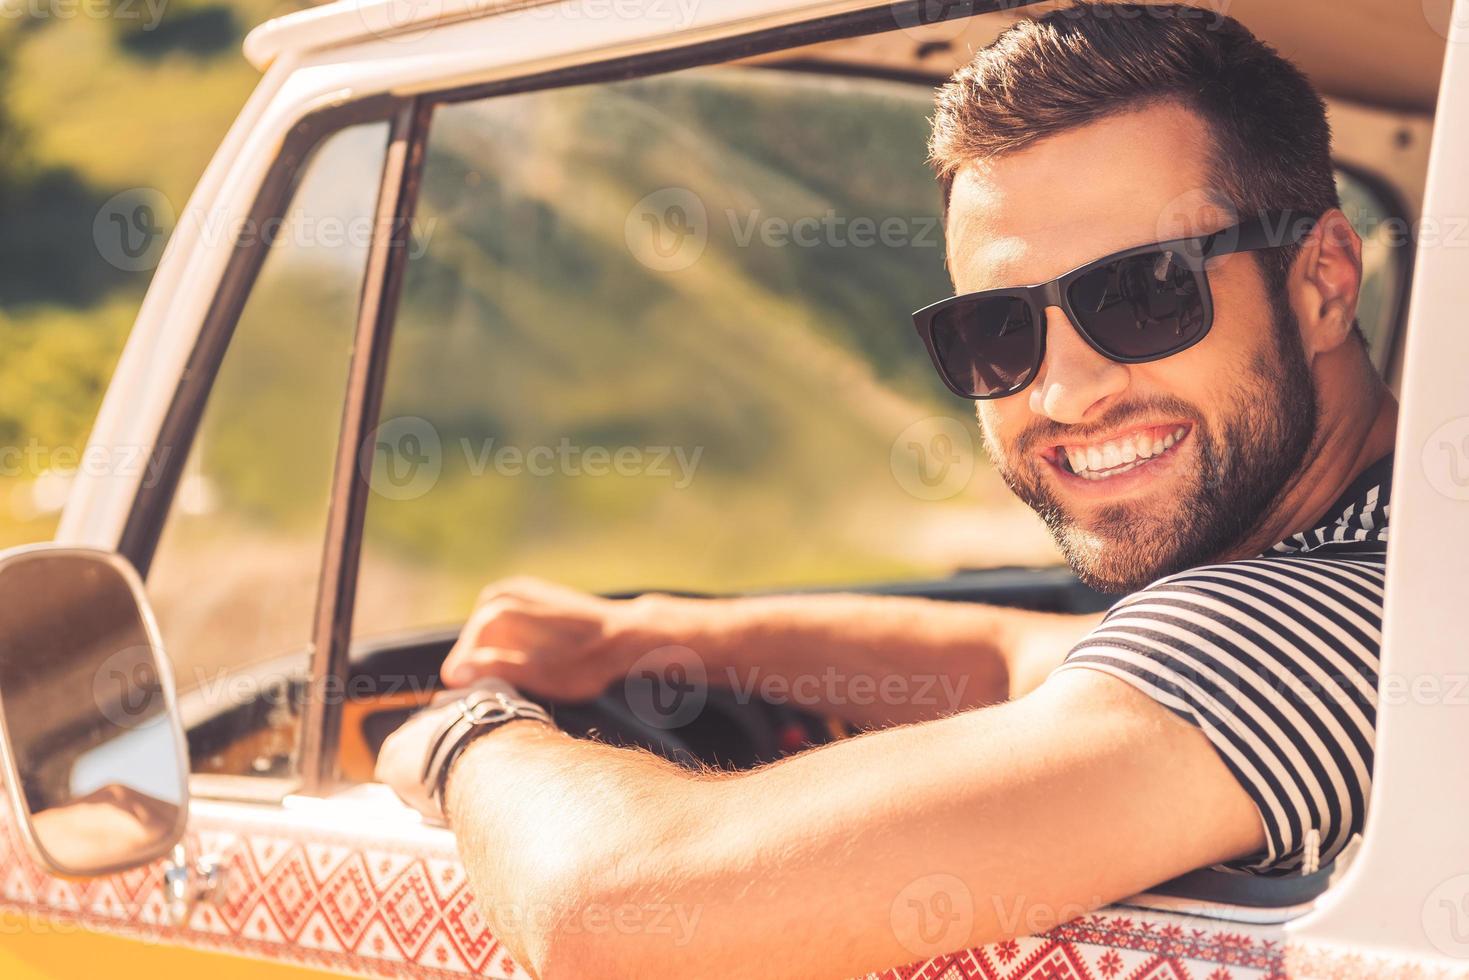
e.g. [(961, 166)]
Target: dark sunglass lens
[(986, 346), (1141, 306)]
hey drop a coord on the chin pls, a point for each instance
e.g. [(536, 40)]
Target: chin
[(1116, 564)]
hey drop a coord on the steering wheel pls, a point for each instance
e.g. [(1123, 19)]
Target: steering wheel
[(704, 727), (710, 726)]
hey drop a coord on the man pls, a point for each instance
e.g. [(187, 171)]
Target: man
[(1184, 398)]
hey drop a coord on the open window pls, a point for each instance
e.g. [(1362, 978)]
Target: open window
[(648, 331)]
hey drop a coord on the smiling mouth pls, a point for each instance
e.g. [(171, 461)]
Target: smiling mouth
[(1102, 460)]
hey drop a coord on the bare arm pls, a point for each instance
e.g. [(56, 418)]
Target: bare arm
[(871, 660), (595, 861)]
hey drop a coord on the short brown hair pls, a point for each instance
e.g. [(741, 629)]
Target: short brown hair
[(1078, 64)]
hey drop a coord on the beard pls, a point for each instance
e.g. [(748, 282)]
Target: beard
[(1244, 461)]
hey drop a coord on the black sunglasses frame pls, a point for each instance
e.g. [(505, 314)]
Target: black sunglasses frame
[(1273, 229)]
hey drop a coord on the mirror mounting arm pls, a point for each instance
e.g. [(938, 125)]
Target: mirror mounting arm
[(186, 883)]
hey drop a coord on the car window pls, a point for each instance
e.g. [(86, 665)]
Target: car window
[(234, 578), (656, 333), (1386, 248)]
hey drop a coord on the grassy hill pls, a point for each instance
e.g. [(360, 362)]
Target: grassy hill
[(90, 107), (528, 320)]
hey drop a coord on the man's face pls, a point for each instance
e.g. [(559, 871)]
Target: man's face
[(1139, 470)]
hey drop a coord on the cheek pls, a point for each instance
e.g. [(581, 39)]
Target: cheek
[(1000, 422), (1243, 315), (1209, 373)]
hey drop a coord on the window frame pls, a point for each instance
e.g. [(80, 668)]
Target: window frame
[(1204, 892), (1386, 353), (411, 120), (151, 505), (410, 117)]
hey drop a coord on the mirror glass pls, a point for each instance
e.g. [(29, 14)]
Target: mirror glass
[(94, 754)]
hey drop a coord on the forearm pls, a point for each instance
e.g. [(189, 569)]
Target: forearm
[(594, 861), (871, 660), (555, 835), (589, 860)]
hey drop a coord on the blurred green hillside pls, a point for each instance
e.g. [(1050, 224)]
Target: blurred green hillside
[(527, 320), (90, 107)]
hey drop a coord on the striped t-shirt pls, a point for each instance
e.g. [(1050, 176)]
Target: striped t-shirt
[(1275, 659)]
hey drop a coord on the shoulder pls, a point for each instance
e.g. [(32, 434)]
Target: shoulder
[(1326, 598), (1276, 659), (1279, 634)]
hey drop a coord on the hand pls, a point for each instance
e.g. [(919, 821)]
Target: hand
[(544, 638), (401, 759), (404, 754)]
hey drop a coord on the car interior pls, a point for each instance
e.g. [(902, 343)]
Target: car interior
[(1377, 63)]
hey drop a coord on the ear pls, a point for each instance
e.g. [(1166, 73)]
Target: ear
[(1324, 283)]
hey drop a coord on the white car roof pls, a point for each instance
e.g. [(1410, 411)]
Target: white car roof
[(1382, 53)]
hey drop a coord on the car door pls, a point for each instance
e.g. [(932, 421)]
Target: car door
[(238, 534), (244, 539), (313, 870)]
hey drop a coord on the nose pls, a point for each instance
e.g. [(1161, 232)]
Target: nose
[(1075, 382)]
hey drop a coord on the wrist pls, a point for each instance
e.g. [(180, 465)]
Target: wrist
[(478, 714), (482, 749), (655, 620)]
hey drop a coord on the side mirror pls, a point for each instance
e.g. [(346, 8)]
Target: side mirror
[(90, 740)]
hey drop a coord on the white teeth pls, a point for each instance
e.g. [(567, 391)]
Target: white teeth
[(1118, 456), (1110, 473)]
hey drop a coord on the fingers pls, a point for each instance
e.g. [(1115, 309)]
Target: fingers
[(562, 678), (522, 619), (494, 625), (527, 587), (467, 664)]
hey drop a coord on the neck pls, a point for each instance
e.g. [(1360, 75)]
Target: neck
[(1346, 443)]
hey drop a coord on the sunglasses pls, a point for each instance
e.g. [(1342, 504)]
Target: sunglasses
[(1141, 304)]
